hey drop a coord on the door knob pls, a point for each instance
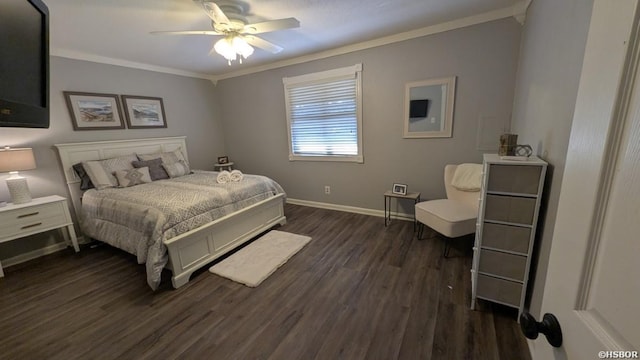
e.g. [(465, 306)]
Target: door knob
[(549, 326)]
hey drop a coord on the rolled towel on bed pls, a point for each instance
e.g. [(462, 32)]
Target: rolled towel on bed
[(223, 177), (236, 175)]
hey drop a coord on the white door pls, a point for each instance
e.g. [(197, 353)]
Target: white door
[(593, 280)]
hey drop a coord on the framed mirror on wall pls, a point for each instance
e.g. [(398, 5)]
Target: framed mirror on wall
[(428, 108)]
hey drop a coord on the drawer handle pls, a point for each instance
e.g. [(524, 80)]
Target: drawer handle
[(29, 214), (30, 226)]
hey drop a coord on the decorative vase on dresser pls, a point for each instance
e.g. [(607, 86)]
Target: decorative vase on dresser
[(506, 229)]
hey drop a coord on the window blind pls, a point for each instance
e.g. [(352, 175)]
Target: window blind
[(323, 116)]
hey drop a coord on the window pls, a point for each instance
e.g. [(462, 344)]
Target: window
[(324, 115)]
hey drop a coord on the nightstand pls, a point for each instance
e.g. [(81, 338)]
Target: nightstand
[(388, 195), (228, 166), (39, 215)]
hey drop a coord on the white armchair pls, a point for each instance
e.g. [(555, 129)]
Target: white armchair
[(454, 216)]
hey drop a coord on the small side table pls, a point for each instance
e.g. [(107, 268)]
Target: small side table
[(228, 166), (39, 215), (388, 195)]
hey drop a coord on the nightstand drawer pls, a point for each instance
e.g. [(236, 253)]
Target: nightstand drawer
[(31, 219), (39, 215)]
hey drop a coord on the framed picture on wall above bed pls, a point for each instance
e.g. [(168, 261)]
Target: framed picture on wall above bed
[(144, 112), (93, 111)]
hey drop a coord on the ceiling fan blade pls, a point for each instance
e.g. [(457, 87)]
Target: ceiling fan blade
[(263, 44), (187, 32), (271, 25), (215, 13)]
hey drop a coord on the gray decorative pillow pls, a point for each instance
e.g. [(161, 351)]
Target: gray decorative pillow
[(101, 172), (132, 177), (85, 180), (167, 157), (156, 170), (177, 169)]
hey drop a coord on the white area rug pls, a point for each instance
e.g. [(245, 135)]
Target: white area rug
[(256, 261)]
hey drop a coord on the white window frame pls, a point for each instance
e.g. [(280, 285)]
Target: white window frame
[(354, 72)]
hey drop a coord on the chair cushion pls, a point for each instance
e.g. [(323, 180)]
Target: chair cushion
[(451, 218)]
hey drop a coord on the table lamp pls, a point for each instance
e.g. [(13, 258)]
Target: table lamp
[(13, 160)]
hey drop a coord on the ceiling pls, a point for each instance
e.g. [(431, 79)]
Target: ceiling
[(118, 31)]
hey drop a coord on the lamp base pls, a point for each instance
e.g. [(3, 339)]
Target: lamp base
[(18, 189)]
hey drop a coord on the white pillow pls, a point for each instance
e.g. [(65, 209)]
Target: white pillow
[(468, 177), (101, 172), (167, 157), (178, 168)]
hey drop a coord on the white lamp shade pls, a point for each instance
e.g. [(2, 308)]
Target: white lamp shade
[(224, 48), (231, 46), (16, 159), (242, 47)]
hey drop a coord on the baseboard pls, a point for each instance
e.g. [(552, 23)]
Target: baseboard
[(59, 246), (351, 209)]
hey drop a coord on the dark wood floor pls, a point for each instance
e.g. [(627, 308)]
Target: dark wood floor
[(357, 291)]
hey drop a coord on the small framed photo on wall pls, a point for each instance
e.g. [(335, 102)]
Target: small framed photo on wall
[(400, 189)]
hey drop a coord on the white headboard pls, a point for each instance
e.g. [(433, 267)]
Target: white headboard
[(73, 153)]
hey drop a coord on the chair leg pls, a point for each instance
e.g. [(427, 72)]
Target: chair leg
[(447, 246)]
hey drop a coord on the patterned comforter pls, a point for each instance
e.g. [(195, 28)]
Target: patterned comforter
[(138, 219)]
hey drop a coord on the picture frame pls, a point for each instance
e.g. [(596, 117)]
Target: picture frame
[(223, 160), (399, 189), (94, 111), (144, 112)]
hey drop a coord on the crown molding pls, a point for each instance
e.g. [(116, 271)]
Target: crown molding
[(78, 55)]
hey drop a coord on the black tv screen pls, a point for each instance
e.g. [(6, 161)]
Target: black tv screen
[(24, 64), (418, 108)]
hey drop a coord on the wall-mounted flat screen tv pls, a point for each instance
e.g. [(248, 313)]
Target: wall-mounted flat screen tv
[(24, 64), (418, 108)]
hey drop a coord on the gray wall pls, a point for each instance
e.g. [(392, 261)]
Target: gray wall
[(483, 57), (553, 43), (190, 107)]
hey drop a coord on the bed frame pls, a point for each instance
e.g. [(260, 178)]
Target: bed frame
[(192, 250)]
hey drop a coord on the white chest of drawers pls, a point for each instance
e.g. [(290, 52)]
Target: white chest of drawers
[(505, 233), (39, 215)]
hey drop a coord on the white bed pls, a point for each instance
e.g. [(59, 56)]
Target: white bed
[(196, 248)]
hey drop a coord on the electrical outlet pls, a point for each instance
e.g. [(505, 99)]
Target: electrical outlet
[(327, 189)]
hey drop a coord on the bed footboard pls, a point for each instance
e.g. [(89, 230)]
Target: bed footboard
[(192, 250)]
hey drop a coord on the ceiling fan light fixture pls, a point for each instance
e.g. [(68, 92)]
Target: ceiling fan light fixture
[(242, 47), (224, 47), (231, 46)]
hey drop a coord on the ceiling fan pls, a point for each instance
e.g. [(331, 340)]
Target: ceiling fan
[(228, 20)]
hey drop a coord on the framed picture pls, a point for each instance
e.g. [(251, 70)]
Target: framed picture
[(91, 111), (400, 189), (144, 112), (223, 159)]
